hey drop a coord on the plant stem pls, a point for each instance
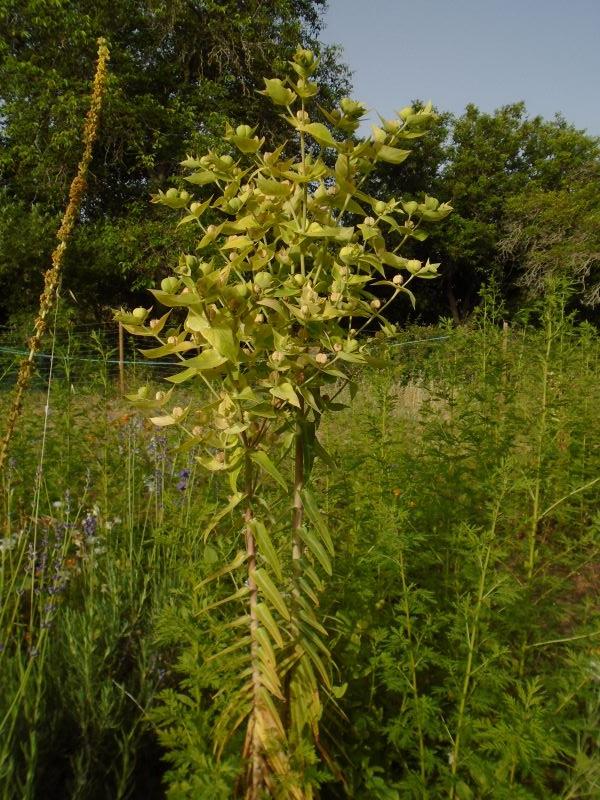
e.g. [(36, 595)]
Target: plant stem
[(298, 510), (413, 673), (253, 746), (536, 514), (472, 639)]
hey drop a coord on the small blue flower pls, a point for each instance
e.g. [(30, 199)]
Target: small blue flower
[(184, 477), (90, 525)]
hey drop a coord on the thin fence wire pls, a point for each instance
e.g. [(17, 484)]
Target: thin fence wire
[(82, 363)]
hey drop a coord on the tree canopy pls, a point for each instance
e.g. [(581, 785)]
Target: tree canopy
[(180, 69), (522, 188)]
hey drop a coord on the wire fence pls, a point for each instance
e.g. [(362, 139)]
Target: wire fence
[(89, 352)]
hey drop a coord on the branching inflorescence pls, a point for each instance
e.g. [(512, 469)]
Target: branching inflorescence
[(266, 318), (53, 274)]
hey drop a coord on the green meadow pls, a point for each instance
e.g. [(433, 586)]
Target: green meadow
[(461, 615)]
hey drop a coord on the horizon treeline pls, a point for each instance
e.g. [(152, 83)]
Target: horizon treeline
[(524, 190)]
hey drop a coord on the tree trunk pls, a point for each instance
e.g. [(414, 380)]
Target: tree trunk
[(452, 302)]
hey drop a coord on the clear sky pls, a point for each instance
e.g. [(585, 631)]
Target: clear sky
[(487, 52)]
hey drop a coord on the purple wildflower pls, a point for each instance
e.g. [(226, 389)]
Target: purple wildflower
[(90, 525), (184, 477)]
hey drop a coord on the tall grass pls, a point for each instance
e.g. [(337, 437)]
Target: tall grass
[(463, 614)]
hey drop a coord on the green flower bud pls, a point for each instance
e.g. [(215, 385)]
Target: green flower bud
[(244, 130), (391, 125), (304, 58), (352, 108), (263, 279), (170, 285), (380, 207), (410, 207), (172, 193), (140, 313), (350, 253)]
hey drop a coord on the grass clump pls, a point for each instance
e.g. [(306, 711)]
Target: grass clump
[(462, 611)]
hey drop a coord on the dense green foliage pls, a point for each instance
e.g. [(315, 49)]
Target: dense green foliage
[(270, 316), (525, 207), (463, 612), (179, 70), (510, 178)]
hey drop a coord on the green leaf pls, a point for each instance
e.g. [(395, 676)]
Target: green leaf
[(266, 548), (339, 691), (320, 133), (279, 94), (233, 565), (268, 654), (271, 592), (207, 359), (273, 188), (233, 502), (316, 661), (309, 617), (317, 549), (268, 620), (392, 155), (181, 377), (392, 260), (463, 792), (222, 339), (168, 349), (168, 299), (202, 178), (307, 590), (285, 391), (313, 514), (264, 462), (241, 592), (310, 634)]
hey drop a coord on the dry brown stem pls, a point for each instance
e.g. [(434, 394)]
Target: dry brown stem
[(52, 276)]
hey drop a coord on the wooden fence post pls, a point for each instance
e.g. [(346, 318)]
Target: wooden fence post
[(121, 359)]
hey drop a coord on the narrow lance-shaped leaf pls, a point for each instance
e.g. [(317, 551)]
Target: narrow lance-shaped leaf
[(264, 462), (230, 567), (271, 592), (316, 548), (266, 548), (312, 512)]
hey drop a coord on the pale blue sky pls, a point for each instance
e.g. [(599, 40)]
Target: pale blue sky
[(488, 52)]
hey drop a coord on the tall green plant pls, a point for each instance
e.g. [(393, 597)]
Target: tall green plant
[(266, 322)]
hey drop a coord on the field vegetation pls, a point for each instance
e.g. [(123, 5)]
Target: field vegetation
[(462, 614), (290, 544)]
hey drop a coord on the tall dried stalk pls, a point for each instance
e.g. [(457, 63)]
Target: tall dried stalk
[(52, 276)]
